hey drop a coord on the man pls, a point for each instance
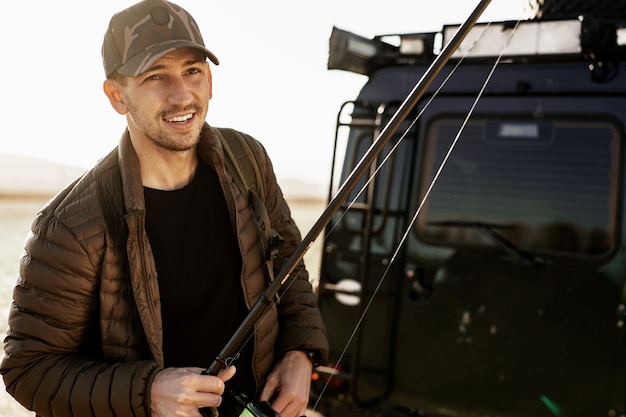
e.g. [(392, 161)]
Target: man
[(137, 274)]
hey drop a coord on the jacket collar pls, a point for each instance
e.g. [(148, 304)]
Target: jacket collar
[(208, 146)]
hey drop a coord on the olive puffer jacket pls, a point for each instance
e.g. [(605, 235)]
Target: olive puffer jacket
[(84, 335)]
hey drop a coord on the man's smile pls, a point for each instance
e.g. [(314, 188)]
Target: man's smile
[(180, 119)]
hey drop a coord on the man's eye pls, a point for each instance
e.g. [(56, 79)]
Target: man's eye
[(151, 77)]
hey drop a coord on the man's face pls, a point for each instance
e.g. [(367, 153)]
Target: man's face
[(167, 104)]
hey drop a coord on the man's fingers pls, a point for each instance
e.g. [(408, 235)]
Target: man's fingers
[(179, 391), (228, 373)]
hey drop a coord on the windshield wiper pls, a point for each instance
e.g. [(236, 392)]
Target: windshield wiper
[(489, 230)]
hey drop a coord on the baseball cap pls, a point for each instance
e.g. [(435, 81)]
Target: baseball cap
[(141, 34)]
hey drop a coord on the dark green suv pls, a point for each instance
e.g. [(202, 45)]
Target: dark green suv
[(479, 269)]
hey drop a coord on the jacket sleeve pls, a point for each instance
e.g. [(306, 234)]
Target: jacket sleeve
[(51, 323), (301, 324)]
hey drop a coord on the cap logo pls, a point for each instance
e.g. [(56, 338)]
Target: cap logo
[(160, 15)]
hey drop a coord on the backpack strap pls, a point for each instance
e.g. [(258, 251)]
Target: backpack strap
[(242, 161), (244, 167)]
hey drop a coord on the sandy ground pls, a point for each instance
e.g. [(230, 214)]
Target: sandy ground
[(16, 215)]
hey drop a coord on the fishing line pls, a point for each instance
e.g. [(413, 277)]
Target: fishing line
[(265, 300), (229, 361), (424, 198)]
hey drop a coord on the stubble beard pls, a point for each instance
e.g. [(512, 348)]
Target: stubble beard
[(180, 142)]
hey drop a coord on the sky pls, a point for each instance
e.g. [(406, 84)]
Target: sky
[(272, 81)]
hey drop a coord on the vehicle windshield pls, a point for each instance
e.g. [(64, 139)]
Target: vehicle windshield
[(553, 182)]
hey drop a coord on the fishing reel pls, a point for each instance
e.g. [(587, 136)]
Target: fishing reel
[(247, 408), (254, 408)]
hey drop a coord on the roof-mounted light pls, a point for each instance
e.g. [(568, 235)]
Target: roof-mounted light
[(351, 52), (419, 44), (531, 38), (361, 55)]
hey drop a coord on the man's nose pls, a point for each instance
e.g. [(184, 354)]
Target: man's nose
[(179, 92)]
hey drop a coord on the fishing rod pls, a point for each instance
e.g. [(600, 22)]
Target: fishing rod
[(265, 300)]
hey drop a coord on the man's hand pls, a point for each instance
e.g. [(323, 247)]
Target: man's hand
[(288, 384), (182, 391)]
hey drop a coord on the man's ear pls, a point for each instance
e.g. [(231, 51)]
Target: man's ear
[(113, 91)]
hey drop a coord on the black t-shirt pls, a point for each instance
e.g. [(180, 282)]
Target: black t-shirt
[(199, 264)]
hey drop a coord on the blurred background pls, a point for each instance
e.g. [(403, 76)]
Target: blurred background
[(272, 80)]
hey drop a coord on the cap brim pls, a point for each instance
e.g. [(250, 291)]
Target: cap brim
[(145, 60)]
